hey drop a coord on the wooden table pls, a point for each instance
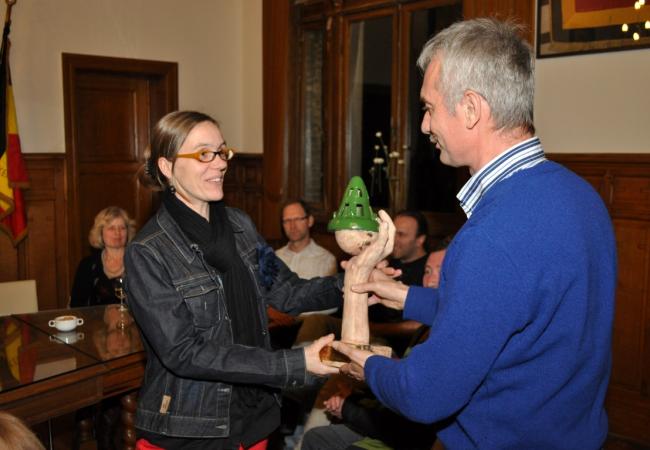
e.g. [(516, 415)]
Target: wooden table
[(45, 373)]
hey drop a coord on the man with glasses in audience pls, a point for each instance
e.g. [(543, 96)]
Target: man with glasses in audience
[(301, 254), (306, 259)]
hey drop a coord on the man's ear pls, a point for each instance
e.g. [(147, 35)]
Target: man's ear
[(472, 108), (420, 240), (165, 167), (310, 221)]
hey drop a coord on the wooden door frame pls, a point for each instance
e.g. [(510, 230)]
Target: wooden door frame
[(72, 64), (277, 30)]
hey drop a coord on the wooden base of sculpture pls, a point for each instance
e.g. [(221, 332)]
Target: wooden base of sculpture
[(333, 358)]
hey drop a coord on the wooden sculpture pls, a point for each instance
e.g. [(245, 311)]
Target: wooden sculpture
[(358, 233)]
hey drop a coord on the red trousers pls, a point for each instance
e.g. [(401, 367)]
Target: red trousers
[(143, 444)]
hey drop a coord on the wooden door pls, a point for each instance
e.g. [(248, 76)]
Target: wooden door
[(111, 104)]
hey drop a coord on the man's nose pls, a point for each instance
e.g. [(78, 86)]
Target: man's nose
[(424, 126)]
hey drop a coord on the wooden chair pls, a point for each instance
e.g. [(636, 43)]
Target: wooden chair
[(18, 297)]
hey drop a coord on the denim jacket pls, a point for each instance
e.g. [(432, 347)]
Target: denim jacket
[(178, 302)]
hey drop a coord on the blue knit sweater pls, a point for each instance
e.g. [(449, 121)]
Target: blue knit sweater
[(519, 350)]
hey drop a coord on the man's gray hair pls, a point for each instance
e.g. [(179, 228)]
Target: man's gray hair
[(489, 57)]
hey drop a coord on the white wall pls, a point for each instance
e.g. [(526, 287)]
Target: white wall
[(216, 43), (595, 103)]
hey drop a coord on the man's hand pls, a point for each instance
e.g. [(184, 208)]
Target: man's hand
[(388, 292), (357, 360), (313, 363)]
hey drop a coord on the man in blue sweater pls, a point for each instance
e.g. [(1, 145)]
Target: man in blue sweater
[(519, 353)]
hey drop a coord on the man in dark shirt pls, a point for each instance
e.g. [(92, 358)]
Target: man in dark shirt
[(410, 256), (410, 252)]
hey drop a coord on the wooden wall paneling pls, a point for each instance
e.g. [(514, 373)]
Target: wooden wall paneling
[(630, 194), (9, 255), (243, 187), (276, 35), (628, 400), (47, 205), (522, 11), (632, 238), (623, 182), (43, 254)]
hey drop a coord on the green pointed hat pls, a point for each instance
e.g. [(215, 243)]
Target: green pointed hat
[(355, 212)]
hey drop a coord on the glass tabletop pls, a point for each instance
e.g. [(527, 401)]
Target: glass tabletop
[(107, 332), (30, 354)]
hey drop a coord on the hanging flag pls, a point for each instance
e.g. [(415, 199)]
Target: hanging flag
[(13, 176)]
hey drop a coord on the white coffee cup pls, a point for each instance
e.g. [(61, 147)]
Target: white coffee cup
[(67, 337), (66, 323)]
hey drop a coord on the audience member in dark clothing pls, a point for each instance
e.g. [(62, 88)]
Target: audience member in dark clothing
[(410, 256)]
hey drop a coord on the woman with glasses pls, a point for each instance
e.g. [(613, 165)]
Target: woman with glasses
[(199, 279)]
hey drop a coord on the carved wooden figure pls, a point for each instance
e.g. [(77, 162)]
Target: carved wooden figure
[(358, 233), (355, 329)]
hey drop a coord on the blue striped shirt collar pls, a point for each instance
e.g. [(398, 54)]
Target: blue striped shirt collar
[(522, 156)]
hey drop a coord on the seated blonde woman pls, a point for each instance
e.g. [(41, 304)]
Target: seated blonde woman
[(94, 281), (94, 284)]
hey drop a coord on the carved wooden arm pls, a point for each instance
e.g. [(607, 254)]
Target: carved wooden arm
[(354, 328)]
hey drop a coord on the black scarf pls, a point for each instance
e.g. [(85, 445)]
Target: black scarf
[(217, 243)]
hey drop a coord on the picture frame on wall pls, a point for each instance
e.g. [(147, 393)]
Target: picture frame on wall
[(571, 27)]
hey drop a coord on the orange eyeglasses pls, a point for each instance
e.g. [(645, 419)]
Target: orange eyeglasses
[(205, 155)]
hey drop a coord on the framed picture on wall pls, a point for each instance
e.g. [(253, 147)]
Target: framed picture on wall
[(569, 27)]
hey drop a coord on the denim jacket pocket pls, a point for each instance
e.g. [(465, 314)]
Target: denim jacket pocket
[(203, 302)]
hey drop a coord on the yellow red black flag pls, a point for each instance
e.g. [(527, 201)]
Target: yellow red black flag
[(13, 176)]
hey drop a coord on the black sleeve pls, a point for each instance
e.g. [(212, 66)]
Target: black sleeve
[(83, 284), (360, 412), (365, 415)]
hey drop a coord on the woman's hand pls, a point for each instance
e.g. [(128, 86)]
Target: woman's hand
[(313, 363)]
